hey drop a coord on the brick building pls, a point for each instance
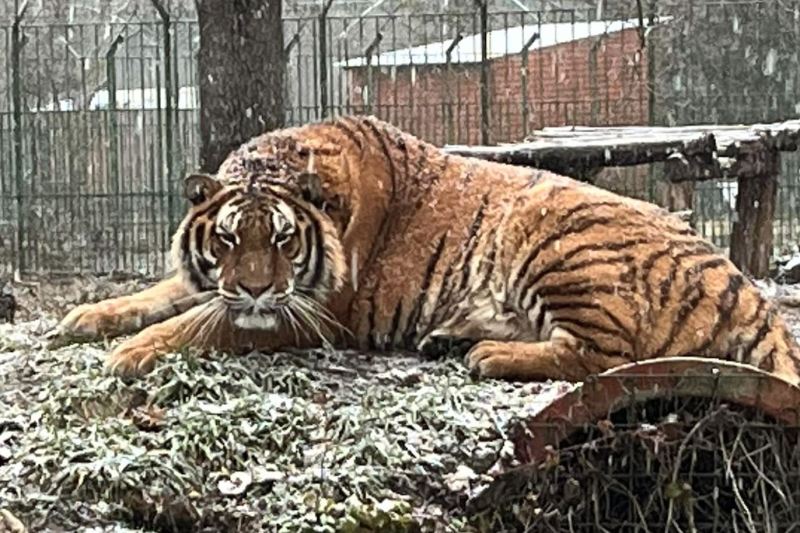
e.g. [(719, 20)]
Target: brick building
[(592, 73)]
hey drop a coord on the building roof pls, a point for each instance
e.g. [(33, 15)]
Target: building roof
[(500, 43)]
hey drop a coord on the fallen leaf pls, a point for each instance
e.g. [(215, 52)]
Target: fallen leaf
[(236, 484)]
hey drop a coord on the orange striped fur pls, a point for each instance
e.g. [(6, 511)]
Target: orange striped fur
[(354, 233)]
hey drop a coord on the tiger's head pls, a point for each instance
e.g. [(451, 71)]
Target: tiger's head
[(269, 250)]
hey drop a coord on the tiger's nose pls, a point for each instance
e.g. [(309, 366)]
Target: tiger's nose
[(255, 289)]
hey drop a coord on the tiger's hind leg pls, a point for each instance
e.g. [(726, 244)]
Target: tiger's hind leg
[(561, 358), (127, 314)]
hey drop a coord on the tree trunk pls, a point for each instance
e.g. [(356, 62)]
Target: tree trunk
[(241, 73)]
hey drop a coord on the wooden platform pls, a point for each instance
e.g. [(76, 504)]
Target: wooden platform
[(748, 153)]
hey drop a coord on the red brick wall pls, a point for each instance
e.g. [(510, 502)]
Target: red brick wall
[(560, 91)]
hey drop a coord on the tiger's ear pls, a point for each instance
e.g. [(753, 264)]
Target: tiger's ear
[(197, 188)]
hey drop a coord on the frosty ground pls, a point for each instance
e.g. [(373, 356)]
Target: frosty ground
[(283, 442)]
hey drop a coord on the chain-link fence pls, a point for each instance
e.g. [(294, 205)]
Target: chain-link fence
[(98, 122)]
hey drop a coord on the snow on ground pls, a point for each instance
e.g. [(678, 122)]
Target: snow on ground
[(284, 442)]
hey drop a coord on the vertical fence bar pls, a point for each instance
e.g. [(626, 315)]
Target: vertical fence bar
[(368, 54), (17, 42), (650, 50), (526, 49), (166, 24), (323, 59), (594, 89), (448, 57), (287, 85), (484, 30), (113, 140)]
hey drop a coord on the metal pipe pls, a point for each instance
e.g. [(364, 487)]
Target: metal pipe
[(525, 53), (449, 94), (368, 54), (323, 59), (485, 116), (17, 42), (166, 22), (113, 144)]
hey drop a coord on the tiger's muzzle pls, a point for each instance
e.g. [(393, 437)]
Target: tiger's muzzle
[(257, 307)]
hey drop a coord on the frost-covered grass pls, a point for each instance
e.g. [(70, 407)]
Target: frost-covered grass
[(284, 442)]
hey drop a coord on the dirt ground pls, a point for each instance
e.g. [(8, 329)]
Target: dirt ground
[(286, 442)]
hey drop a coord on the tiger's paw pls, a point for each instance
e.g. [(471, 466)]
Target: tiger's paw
[(84, 323), (90, 320), (489, 359), (133, 358)]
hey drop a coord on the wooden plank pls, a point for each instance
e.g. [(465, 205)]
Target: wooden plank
[(580, 156), (692, 150), (783, 136)]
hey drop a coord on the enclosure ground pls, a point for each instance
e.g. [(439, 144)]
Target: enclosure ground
[(285, 442)]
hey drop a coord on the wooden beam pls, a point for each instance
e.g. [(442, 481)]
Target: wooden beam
[(583, 155), (692, 153), (731, 138), (751, 236), (749, 154)]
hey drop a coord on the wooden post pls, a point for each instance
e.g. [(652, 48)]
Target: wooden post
[(751, 237), (676, 196)]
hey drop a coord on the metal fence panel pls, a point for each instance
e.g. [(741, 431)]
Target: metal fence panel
[(108, 112)]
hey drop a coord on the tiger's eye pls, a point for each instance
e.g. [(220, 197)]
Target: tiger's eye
[(226, 238), (287, 242)]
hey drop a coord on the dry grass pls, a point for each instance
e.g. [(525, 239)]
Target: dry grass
[(284, 442)]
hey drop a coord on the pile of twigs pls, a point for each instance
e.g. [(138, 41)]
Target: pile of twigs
[(677, 465)]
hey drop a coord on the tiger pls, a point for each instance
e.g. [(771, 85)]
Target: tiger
[(352, 234)]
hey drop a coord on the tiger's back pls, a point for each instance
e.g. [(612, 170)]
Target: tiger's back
[(630, 280), (507, 254)]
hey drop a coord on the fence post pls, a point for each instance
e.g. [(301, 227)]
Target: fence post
[(485, 110), (448, 92), (368, 54), (113, 142), (287, 91), (594, 91), (647, 46), (17, 42), (323, 59), (525, 51), (166, 23)]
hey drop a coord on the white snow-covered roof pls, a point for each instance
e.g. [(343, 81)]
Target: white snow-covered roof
[(150, 98), (500, 43)]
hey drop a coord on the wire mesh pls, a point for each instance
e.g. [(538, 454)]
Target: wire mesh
[(103, 142)]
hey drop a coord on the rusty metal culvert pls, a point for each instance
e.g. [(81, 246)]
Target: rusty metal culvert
[(683, 444)]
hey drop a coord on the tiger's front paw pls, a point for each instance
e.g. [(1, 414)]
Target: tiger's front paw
[(94, 321), (489, 359), (134, 357), (88, 320)]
